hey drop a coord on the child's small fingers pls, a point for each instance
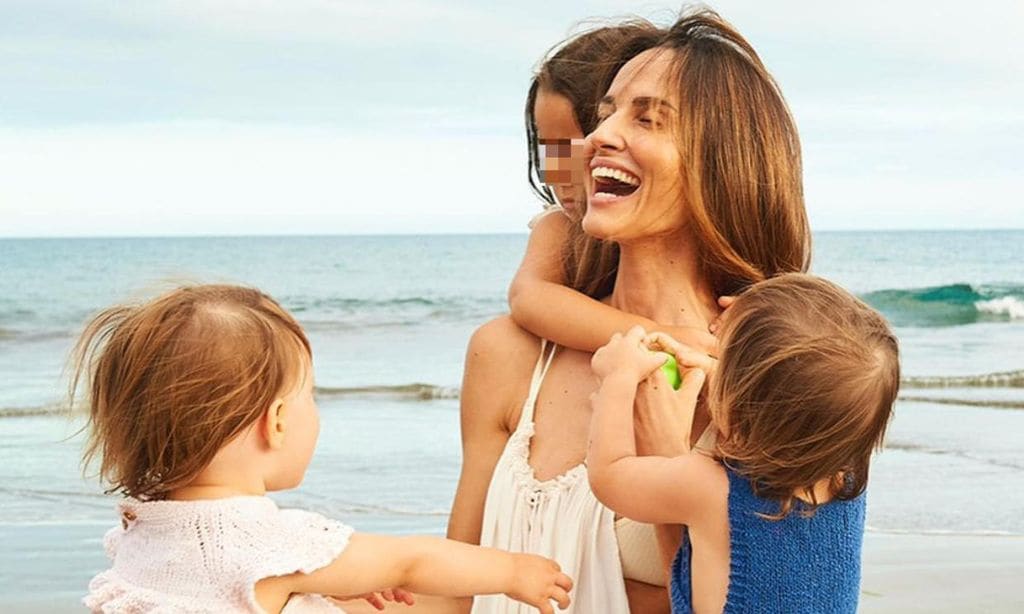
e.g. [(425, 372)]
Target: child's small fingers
[(636, 333), (658, 340), (404, 596), (726, 302), (545, 607), (688, 357), (653, 362), (375, 601), (387, 594), (561, 597), (564, 581)]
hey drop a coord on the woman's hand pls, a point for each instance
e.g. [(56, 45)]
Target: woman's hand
[(663, 417)]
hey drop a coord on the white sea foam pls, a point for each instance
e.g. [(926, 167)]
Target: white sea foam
[(1005, 306)]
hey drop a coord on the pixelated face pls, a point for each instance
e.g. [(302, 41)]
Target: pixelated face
[(634, 184), (561, 149)]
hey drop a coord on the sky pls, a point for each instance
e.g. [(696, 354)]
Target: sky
[(377, 117)]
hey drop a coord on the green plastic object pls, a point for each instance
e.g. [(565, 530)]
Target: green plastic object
[(671, 370)]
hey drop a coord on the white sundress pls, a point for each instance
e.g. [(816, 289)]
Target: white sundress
[(559, 518)]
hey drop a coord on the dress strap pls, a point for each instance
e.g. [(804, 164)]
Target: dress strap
[(539, 371)]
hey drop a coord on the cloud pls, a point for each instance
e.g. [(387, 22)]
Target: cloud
[(221, 179), (233, 117)]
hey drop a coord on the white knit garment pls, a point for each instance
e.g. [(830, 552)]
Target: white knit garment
[(206, 556)]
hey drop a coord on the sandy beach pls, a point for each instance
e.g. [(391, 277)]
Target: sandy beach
[(906, 573), (942, 573)]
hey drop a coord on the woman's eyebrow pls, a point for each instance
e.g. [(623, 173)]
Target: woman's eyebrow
[(653, 102), (642, 102)]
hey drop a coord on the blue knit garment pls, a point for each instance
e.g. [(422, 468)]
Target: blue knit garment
[(795, 565)]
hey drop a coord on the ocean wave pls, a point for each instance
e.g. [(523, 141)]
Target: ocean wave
[(33, 410), (1008, 305), (989, 403), (330, 313), (409, 392), (1004, 379), (400, 392), (951, 305)]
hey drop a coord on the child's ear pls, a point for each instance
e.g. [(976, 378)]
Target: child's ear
[(274, 424)]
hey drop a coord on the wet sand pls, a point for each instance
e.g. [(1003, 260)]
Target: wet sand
[(942, 573)]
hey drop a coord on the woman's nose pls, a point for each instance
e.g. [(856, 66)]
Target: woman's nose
[(606, 137)]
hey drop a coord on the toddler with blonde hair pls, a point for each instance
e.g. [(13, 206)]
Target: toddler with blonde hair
[(200, 403)]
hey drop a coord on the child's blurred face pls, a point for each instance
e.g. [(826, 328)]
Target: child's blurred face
[(561, 149), (302, 427)]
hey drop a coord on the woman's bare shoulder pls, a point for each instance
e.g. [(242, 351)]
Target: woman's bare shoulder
[(503, 343), (499, 362)]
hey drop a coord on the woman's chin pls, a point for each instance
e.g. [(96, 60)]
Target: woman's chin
[(594, 227), (601, 224)]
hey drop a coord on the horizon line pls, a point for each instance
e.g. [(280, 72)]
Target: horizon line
[(441, 234)]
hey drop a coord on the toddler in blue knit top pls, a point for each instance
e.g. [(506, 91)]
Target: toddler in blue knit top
[(773, 516)]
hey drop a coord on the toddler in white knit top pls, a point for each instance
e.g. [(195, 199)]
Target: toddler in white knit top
[(201, 402)]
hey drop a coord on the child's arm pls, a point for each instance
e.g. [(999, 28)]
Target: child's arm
[(437, 566), (542, 304), (648, 489)]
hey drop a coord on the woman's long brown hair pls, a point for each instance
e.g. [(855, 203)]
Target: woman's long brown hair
[(741, 162)]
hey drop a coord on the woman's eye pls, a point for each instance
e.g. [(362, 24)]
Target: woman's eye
[(646, 121)]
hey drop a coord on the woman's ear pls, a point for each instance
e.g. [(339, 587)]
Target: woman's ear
[(274, 425)]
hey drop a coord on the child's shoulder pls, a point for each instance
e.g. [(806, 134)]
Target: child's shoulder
[(551, 216)]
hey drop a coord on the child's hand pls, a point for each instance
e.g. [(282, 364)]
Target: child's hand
[(539, 580), (725, 302), (686, 356), (627, 355), (392, 594), (698, 339)]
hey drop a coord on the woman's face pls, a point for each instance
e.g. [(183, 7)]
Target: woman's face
[(561, 170), (634, 187)]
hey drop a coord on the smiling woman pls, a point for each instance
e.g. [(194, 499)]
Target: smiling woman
[(698, 120), (695, 175)]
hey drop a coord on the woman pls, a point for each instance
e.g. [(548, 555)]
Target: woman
[(712, 201)]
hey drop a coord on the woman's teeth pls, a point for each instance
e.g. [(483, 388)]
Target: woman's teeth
[(612, 183), (604, 172)]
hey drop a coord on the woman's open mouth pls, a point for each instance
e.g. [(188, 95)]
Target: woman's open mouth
[(612, 183)]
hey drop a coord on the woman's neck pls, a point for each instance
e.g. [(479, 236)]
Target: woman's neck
[(660, 278)]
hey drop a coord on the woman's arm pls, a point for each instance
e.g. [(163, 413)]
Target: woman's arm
[(542, 304), (494, 384)]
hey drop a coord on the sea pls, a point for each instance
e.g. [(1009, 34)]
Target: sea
[(389, 318)]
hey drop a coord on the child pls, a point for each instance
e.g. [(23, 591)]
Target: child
[(774, 517), (564, 271), (201, 402)]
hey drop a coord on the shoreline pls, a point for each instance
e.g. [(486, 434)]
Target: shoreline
[(941, 572)]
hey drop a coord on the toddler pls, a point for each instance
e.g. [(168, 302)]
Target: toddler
[(200, 403), (774, 516)]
